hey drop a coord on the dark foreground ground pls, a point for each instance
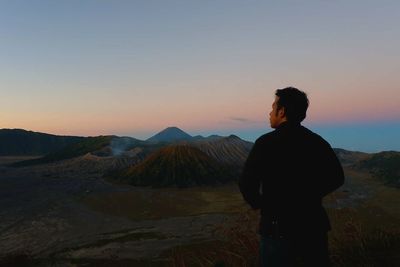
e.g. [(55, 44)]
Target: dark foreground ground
[(50, 217), (80, 218)]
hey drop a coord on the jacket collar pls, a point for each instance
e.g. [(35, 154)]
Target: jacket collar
[(287, 124)]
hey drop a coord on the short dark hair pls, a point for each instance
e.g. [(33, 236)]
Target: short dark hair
[(295, 103)]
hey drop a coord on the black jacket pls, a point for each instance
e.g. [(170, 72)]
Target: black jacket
[(286, 175)]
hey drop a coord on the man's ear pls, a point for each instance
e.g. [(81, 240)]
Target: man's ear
[(282, 112)]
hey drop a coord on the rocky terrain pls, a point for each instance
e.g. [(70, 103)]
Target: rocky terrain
[(47, 216)]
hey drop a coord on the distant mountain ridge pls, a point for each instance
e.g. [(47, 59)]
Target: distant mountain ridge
[(170, 134), (19, 142), (84, 146), (169, 158), (174, 135)]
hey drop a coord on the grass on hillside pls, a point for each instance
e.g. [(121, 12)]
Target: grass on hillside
[(353, 242), (384, 165), (356, 239)]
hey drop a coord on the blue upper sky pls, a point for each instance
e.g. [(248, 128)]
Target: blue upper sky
[(135, 67)]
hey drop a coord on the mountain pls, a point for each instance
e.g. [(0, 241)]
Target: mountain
[(170, 134), (204, 161), (384, 165), (19, 142), (229, 150), (348, 158), (187, 161), (102, 146), (208, 138), (86, 145), (176, 165)]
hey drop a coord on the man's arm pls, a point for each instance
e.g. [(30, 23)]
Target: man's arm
[(250, 180), (333, 171)]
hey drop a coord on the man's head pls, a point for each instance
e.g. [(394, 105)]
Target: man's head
[(290, 105)]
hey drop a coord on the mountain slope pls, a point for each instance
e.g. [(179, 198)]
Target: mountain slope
[(170, 134), (384, 165), (87, 145), (176, 165), (102, 146), (19, 142), (229, 150), (348, 158)]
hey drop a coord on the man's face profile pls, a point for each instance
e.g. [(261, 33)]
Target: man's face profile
[(276, 116)]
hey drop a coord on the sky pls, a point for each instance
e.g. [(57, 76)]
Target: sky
[(133, 68)]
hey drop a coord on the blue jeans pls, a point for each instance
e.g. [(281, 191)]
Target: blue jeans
[(310, 250)]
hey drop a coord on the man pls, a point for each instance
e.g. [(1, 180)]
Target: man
[(286, 175)]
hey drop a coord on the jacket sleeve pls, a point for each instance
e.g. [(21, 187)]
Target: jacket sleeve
[(332, 171), (250, 180)]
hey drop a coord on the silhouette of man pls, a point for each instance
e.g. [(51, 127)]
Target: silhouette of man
[(286, 175)]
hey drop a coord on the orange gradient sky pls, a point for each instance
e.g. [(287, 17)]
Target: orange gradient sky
[(129, 68)]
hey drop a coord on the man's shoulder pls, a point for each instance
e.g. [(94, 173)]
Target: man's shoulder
[(316, 137), (266, 137)]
